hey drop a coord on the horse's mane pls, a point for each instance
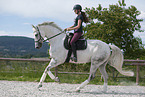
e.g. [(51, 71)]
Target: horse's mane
[(51, 24)]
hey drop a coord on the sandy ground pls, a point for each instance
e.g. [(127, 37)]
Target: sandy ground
[(29, 89)]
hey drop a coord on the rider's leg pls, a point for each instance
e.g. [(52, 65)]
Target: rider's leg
[(73, 46), (76, 36), (68, 56)]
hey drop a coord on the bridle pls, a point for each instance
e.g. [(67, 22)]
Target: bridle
[(41, 38)]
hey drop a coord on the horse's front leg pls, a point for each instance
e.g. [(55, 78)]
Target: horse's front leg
[(53, 63)]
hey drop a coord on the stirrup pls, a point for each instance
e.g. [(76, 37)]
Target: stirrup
[(74, 59)]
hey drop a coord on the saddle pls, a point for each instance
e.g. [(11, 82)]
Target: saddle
[(81, 44)]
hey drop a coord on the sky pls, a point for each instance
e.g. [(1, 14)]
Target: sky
[(16, 16)]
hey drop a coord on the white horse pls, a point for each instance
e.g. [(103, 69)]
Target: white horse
[(97, 52)]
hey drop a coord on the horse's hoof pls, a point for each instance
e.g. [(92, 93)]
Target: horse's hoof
[(40, 85), (57, 79), (78, 90)]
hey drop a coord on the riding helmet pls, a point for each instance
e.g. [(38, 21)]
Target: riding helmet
[(77, 7)]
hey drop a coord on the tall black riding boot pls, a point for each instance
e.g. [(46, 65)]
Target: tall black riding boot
[(68, 56), (74, 58)]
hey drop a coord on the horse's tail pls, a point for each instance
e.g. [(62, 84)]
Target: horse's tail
[(116, 60)]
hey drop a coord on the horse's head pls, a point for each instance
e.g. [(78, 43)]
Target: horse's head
[(47, 30), (38, 38)]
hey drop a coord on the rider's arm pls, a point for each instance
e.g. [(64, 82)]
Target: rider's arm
[(76, 27)]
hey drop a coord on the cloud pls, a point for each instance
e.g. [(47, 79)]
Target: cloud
[(56, 9), (34, 8), (38, 8), (27, 23)]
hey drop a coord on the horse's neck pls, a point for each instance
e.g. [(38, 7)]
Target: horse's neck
[(56, 41), (51, 31)]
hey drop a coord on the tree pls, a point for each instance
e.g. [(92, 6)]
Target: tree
[(115, 24)]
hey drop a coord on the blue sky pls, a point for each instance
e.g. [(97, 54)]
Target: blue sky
[(16, 16)]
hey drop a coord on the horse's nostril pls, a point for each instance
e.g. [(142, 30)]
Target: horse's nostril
[(37, 47)]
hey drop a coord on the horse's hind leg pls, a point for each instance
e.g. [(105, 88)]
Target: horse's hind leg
[(105, 75), (91, 76)]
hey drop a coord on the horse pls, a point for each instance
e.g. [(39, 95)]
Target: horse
[(97, 52)]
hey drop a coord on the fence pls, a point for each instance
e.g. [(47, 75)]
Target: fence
[(137, 63)]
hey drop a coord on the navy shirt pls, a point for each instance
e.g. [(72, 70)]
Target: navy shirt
[(76, 23)]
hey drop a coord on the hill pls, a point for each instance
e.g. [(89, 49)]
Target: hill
[(17, 46)]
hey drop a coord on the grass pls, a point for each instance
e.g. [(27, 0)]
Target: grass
[(68, 78), (14, 71)]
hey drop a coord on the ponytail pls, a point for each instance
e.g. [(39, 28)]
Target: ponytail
[(86, 19)]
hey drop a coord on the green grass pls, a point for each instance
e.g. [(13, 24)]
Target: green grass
[(69, 78)]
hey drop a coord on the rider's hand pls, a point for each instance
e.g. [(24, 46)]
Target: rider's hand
[(67, 29)]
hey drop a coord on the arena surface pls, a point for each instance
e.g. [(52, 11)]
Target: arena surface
[(29, 89)]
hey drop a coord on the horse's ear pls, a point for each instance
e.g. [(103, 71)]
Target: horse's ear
[(33, 26)]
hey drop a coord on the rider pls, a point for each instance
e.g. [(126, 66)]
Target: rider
[(78, 29)]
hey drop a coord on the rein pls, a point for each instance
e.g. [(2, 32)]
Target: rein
[(49, 37), (53, 36)]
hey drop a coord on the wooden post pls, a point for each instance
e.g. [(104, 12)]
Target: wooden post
[(137, 74)]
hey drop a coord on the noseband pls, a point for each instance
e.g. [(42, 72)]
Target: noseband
[(41, 38)]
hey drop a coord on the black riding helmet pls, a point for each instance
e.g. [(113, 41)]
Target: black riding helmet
[(77, 7)]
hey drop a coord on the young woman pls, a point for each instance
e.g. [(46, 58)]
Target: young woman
[(78, 29)]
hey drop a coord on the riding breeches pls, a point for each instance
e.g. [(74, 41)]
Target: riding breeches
[(76, 36)]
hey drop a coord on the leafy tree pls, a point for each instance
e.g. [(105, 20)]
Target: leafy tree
[(115, 24)]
